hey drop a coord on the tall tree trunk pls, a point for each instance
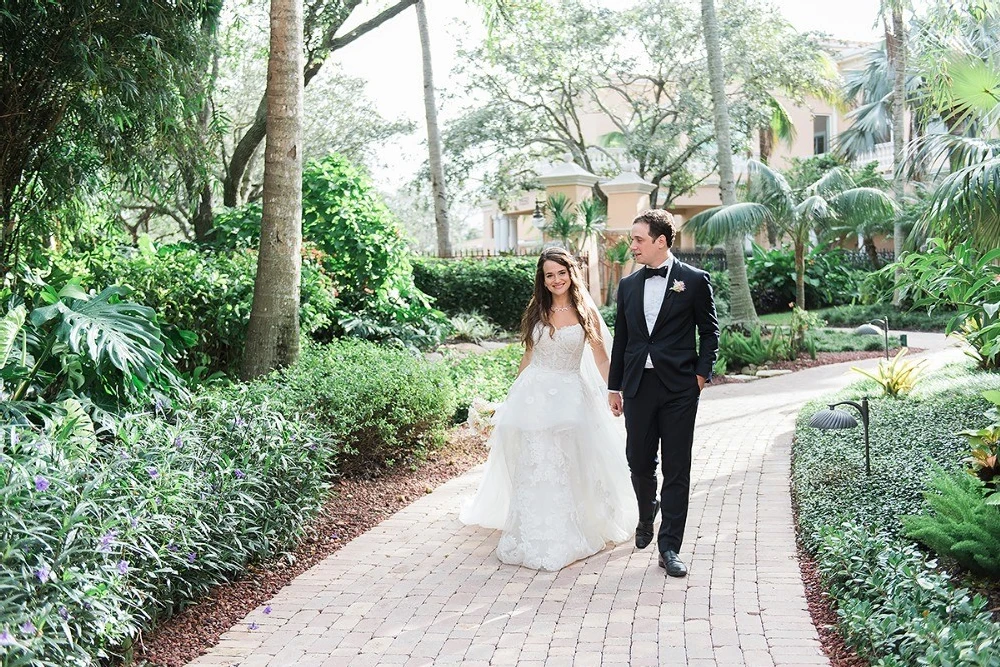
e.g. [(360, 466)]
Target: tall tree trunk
[(433, 138), (869, 245), (273, 334), (800, 274), (741, 305), (898, 61)]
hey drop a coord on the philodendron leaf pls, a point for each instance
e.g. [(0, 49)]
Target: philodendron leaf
[(123, 334), (10, 327)]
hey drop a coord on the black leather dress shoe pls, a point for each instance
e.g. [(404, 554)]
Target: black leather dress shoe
[(672, 563), (644, 530)]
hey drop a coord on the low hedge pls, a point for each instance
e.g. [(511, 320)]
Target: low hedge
[(498, 288)]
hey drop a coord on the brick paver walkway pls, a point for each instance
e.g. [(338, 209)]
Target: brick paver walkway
[(422, 589)]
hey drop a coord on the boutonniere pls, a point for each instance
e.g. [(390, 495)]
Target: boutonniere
[(678, 286)]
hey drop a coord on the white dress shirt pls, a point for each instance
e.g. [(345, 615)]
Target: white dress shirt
[(654, 289)]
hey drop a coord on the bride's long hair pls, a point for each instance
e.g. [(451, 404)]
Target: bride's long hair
[(540, 305)]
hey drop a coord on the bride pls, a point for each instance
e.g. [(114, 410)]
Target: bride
[(556, 480)]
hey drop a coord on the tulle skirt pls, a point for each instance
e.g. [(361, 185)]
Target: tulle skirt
[(556, 481)]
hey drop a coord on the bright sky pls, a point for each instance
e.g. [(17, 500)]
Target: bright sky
[(389, 59)]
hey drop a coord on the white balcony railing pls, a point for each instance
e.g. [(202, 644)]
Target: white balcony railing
[(881, 154)]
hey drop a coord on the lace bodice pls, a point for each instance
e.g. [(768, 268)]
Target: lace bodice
[(561, 351)]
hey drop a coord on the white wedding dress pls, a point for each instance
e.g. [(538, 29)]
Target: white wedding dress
[(556, 480)]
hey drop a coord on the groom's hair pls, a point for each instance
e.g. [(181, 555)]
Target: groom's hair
[(660, 222)]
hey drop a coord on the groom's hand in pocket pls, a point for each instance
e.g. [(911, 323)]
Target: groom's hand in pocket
[(701, 383), (615, 402)]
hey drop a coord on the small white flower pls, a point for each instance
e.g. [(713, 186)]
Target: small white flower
[(678, 286)]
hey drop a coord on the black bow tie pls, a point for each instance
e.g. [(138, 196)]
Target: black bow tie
[(650, 272)]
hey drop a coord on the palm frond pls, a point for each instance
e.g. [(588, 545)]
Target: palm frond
[(971, 196), (859, 204), (815, 210), (724, 222), (833, 181)]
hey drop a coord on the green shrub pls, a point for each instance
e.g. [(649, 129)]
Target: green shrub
[(497, 287), (829, 280), (379, 406), (896, 608), (721, 293), (961, 525), (362, 250), (487, 376), (202, 295), (106, 536)]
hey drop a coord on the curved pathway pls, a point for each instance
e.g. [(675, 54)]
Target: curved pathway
[(422, 589)]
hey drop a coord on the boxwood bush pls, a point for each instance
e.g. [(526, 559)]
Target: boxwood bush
[(853, 315), (830, 279)]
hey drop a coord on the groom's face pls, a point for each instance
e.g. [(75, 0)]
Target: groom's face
[(645, 249)]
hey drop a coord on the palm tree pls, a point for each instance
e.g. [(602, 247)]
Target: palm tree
[(273, 333), (967, 202), (778, 128), (433, 138), (741, 306), (833, 198)]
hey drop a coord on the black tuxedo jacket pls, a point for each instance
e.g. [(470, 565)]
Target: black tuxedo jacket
[(671, 343)]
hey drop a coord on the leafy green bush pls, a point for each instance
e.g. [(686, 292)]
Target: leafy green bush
[(105, 536), (961, 525), (962, 278), (379, 406), (829, 280), (721, 293), (487, 376), (103, 351), (896, 608), (360, 247), (201, 297), (741, 349), (497, 287)]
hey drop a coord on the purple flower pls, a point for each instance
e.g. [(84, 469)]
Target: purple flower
[(267, 610), (192, 557), (134, 522), (123, 455), (252, 626), (41, 484), (158, 405), (28, 628), (239, 421), (123, 567), (178, 443), (63, 613), (239, 474), (43, 574), (106, 542), (153, 472), (6, 639), (14, 437), (173, 548)]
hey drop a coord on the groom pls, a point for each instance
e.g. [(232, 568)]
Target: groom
[(657, 375)]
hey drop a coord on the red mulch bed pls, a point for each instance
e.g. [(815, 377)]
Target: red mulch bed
[(822, 359), (824, 617), (353, 507)]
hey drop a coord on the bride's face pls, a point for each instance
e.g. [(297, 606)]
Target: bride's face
[(557, 279)]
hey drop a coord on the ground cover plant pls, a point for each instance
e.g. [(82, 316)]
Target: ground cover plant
[(895, 604)]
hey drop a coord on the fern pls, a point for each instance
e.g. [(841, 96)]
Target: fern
[(962, 526)]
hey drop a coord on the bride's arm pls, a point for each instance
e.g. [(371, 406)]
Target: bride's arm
[(525, 360), (601, 358)]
